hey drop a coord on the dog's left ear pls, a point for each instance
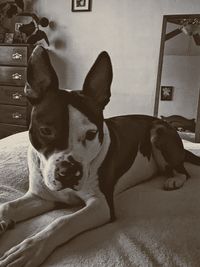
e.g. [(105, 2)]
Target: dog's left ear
[(98, 81), (41, 76)]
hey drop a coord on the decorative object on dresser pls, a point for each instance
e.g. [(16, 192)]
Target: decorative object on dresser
[(9, 9), (32, 29), (19, 26), (14, 109)]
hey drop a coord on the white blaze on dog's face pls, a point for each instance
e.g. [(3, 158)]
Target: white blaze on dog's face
[(66, 127), (84, 145)]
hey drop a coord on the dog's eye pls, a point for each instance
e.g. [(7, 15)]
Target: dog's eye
[(90, 135), (46, 131)]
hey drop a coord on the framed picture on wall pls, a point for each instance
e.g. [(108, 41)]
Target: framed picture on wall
[(81, 5), (166, 93)]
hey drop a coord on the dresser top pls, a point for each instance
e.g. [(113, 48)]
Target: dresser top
[(20, 45)]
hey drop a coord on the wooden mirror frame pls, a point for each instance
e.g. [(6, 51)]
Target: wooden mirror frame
[(168, 18)]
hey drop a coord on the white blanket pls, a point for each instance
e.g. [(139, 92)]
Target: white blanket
[(154, 227)]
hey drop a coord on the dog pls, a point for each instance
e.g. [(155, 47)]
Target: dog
[(76, 157)]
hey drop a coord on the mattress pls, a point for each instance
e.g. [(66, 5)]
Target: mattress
[(153, 227)]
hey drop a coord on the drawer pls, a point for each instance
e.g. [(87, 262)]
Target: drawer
[(12, 75), (13, 114), (8, 129), (12, 95), (13, 55)]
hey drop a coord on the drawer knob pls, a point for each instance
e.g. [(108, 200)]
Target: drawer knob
[(16, 96), (16, 115), (16, 76), (16, 56)]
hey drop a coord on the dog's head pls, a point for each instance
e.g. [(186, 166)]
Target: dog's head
[(66, 127)]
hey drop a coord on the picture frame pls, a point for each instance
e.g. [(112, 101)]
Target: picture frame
[(17, 26), (166, 93), (19, 37), (81, 5)]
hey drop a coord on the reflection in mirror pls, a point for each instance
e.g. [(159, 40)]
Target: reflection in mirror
[(178, 86)]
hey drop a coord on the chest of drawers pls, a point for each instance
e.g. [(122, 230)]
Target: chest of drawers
[(14, 108)]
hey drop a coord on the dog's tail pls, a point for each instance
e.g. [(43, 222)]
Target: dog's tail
[(192, 158)]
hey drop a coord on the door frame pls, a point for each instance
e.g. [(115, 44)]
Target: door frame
[(168, 18)]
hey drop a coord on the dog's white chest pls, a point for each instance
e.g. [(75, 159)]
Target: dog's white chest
[(141, 170)]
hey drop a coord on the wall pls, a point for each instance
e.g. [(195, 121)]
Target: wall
[(129, 30), (181, 72)]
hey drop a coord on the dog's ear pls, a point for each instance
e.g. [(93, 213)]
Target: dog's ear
[(41, 76), (98, 81)]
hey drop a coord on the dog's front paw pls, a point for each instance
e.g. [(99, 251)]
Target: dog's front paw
[(174, 183), (5, 224), (29, 253)]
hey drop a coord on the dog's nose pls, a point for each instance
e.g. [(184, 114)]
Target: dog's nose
[(68, 173), (66, 168)]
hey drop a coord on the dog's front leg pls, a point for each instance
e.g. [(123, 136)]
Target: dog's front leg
[(21, 209), (34, 250)]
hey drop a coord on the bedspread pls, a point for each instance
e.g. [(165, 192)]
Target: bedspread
[(153, 227)]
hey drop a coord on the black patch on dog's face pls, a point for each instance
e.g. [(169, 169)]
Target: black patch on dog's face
[(49, 123)]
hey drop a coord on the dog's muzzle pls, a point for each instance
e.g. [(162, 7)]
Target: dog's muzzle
[(68, 173)]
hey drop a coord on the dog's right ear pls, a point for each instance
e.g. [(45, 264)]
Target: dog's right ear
[(41, 76), (98, 81)]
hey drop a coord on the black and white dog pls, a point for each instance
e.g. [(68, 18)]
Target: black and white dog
[(77, 157)]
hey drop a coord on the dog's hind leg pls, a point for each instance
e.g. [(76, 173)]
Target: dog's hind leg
[(178, 176), (169, 155), (21, 209)]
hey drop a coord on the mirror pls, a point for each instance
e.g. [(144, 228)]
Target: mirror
[(178, 82)]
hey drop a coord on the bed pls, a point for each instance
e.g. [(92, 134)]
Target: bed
[(190, 136), (154, 227)]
